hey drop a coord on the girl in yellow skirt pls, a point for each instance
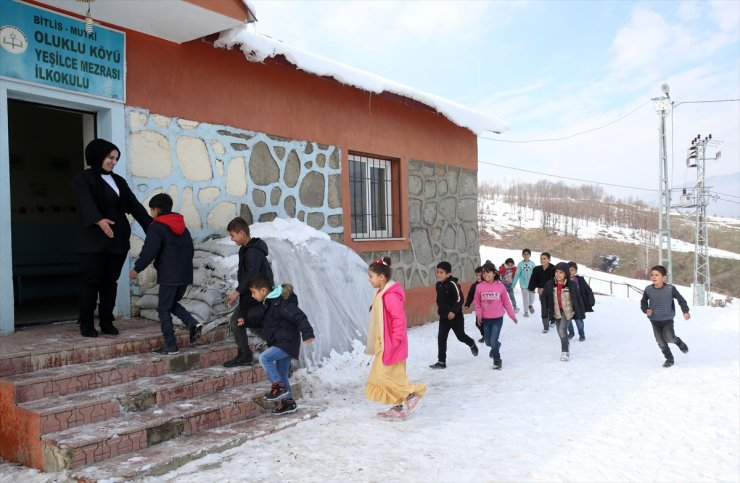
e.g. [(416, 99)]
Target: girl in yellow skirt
[(387, 340)]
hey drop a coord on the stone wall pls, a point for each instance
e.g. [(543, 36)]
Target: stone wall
[(215, 173), (443, 225)]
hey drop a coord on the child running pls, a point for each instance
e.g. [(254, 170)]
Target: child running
[(657, 303), (522, 275), (449, 309), (507, 271), (491, 300), (387, 340), (471, 296), (564, 304), (588, 300), (283, 326)]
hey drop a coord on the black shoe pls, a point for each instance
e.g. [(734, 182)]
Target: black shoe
[(239, 361), (552, 322), (286, 406), (531, 309), (277, 392), (474, 349), (439, 365), (582, 338), (91, 332), (166, 351), (497, 363), (570, 336), (481, 340), (195, 332), (108, 328), (668, 363), (545, 331), (683, 347)]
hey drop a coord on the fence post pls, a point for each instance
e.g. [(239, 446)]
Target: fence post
[(611, 288)]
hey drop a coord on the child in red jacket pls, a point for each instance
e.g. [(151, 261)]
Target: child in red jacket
[(507, 271), (387, 340)]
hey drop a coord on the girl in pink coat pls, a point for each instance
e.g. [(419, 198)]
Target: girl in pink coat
[(387, 340), (491, 301)]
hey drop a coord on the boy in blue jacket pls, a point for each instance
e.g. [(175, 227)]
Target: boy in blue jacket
[(169, 245), (283, 325)]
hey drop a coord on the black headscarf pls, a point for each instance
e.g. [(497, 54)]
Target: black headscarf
[(96, 151)]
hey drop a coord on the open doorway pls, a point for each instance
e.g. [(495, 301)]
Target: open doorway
[(46, 147)]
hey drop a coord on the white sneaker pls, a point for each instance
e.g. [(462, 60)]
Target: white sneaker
[(564, 356)]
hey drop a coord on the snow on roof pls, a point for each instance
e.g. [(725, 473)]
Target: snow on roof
[(258, 47)]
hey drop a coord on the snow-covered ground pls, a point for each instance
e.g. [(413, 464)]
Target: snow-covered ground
[(612, 413), (498, 216)]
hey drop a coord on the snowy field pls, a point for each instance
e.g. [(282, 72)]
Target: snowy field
[(610, 414), (498, 216)]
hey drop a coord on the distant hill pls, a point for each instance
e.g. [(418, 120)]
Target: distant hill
[(617, 236)]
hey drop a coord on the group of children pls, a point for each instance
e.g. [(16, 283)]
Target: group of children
[(263, 306), (272, 309)]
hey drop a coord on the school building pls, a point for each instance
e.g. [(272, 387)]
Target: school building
[(228, 123)]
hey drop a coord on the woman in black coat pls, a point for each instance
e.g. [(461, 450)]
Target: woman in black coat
[(103, 199)]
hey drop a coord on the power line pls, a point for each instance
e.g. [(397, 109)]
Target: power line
[(566, 177), (725, 194), (572, 135)]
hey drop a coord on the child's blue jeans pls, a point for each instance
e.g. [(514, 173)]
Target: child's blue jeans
[(276, 363), (491, 332)]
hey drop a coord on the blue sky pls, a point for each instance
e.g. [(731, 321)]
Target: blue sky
[(551, 69)]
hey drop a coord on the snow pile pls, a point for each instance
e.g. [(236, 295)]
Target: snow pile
[(258, 47), (329, 279)]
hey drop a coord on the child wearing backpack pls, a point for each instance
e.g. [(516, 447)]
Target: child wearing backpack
[(449, 309)]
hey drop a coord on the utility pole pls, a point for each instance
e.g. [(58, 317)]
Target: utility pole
[(697, 159), (662, 106)]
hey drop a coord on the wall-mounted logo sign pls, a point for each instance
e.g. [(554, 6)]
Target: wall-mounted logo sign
[(48, 48)]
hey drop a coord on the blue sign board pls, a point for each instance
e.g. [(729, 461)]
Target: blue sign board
[(44, 47)]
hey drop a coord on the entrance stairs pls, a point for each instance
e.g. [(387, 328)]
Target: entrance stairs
[(106, 407)]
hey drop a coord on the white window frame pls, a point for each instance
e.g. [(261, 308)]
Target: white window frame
[(371, 207)]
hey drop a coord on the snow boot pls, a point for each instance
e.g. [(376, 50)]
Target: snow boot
[(668, 363), (682, 345), (277, 392), (474, 349), (286, 406), (497, 363)]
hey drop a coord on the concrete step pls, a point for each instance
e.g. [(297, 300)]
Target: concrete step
[(134, 431), (159, 459), (60, 381), (32, 350), (59, 413)]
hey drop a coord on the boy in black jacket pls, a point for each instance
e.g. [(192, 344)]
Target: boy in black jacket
[(449, 308), (588, 300), (283, 326), (252, 262), (540, 276), (169, 245)]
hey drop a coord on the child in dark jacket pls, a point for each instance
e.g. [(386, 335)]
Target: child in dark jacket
[(471, 296), (564, 303), (169, 245), (542, 274), (283, 326), (253, 261), (588, 300), (657, 303), (449, 309)]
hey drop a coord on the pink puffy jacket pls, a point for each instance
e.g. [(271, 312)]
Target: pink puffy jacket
[(395, 337)]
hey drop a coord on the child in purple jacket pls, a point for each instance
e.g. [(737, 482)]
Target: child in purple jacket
[(491, 301)]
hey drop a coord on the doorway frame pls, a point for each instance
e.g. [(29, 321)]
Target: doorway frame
[(110, 125)]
